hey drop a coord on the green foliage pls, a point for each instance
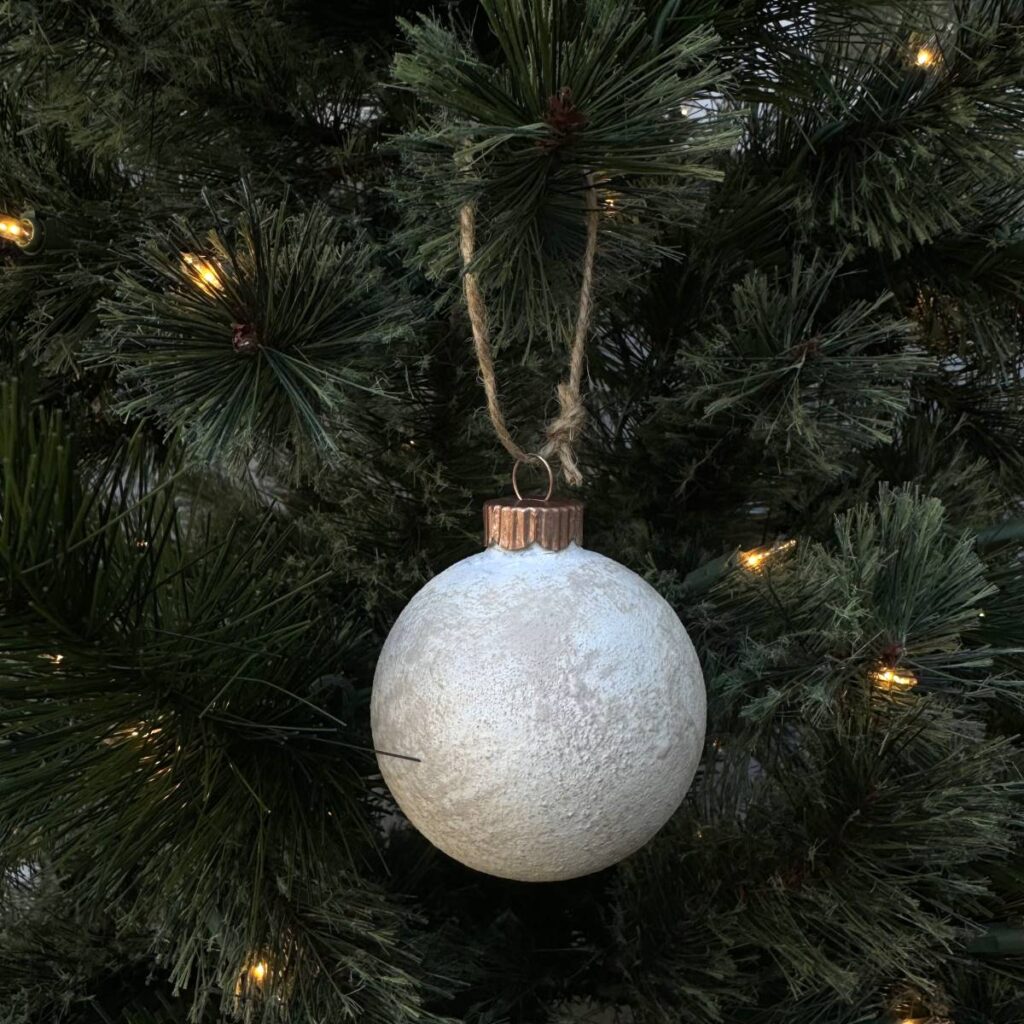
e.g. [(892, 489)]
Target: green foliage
[(842, 871), (260, 340), (852, 831), (185, 780), (47, 298), (185, 87), (810, 388), (861, 792), (897, 589), (578, 90), (58, 965), (933, 454), (216, 499)]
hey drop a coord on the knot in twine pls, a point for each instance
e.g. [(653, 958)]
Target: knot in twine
[(562, 432)]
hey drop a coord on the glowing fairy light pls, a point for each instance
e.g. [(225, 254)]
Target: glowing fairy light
[(203, 272), (18, 230), (910, 1008), (141, 735), (890, 679), (252, 977), (754, 560)]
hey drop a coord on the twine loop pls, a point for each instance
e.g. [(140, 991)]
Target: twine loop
[(562, 432)]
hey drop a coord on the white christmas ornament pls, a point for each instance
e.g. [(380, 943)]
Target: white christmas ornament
[(551, 696)]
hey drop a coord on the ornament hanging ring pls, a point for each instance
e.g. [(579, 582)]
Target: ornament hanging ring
[(544, 462)]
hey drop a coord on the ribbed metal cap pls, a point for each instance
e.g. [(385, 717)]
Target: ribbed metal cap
[(516, 523)]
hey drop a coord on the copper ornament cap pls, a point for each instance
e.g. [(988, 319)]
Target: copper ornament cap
[(517, 523)]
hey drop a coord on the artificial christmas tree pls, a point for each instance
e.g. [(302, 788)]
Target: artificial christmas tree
[(241, 425)]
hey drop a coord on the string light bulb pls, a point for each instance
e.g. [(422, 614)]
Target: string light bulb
[(754, 560), (911, 1008), (19, 230), (141, 731), (252, 977), (915, 1018), (203, 272), (890, 679), (925, 58)]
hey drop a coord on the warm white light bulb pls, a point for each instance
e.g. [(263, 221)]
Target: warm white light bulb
[(203, 272), (17, 230), (888, 678), (754, 559)]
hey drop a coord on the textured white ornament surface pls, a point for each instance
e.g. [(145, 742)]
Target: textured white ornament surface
[(556, 704)]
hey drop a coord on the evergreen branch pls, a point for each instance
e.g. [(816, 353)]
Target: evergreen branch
[(577, 91), (132, 725), (272, 354)]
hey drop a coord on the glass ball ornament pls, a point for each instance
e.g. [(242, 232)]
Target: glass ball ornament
[(546, 702)]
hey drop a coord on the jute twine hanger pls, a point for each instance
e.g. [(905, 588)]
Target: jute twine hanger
[(562, 431)]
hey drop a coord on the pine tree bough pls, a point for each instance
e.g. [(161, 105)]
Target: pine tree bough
[(241, 424)]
